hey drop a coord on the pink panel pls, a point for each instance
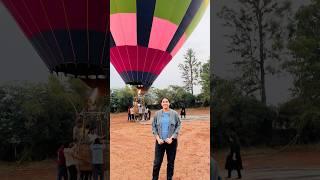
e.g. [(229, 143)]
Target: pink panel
[(154, 59), (161, 33), (113, 61), (179, 45), (124, 29), (133, 53), (137, 58), (142, 57), (165, 62), (165, 59)]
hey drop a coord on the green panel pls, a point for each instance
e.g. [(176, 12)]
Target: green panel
[(197, 18), (172, 10), (122, 6)]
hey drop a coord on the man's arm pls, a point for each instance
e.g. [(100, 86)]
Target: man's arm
[(177, 128), (155, 129), (154, 126)]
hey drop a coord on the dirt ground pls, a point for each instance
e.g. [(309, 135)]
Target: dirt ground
[(132, 151), (132, 148)]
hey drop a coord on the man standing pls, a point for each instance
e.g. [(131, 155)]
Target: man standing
[(97, 159), (61, 161)]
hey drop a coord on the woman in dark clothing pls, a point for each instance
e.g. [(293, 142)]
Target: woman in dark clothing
[(129, 113), (233, 161), (183, 112)]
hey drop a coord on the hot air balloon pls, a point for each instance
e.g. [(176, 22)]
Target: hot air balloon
[(146, 34), (71, 36)]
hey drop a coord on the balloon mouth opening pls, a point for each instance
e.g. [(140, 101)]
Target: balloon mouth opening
[(139, 85), (88, 77)]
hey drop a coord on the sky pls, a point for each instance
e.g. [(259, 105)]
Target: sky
[(19, 61)]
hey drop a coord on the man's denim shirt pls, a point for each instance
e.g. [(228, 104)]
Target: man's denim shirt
[(174, 123)]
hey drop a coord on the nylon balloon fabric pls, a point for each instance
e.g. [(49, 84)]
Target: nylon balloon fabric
[(71, 36), (145, 35)]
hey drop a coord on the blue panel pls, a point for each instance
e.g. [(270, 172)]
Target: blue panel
[(59, 54), (145, 10), (139, 78)]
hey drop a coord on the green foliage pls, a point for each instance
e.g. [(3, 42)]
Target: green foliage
[(245, 116), (301, 116), (121, 99), (302, 112), (177, 95), (36, 118), (304, 46), (205, 84)]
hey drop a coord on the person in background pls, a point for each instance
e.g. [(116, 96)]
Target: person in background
[(97, 159), (140, 110), (149, 114), (77, 130), (132, 113), (146, 112), (93, 135), (183, 112), (61, 161), (71, 162), (84, 161), (129, 114), (233, 161)]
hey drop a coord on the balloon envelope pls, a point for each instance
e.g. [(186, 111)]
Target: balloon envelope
[(146, 34), (71, 36)]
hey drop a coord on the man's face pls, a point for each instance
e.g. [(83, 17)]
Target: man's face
[(165, 103)]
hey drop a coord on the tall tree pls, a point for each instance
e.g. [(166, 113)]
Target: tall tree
[(190, 70), (305, 47), (257, 38)]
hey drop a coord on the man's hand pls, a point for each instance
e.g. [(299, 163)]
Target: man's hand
[(169, 140), (160, 141)]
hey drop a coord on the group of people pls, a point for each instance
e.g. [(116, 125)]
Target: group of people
[(140, 112), (83, 157)]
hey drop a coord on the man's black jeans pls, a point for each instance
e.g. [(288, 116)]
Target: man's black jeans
[(170, 150)]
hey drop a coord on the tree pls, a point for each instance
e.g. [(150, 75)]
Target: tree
[(122, 98), (305, 68), (305, 48), (257, 39), (190, 70), (36, 117), (177, 95), (205, 82)]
